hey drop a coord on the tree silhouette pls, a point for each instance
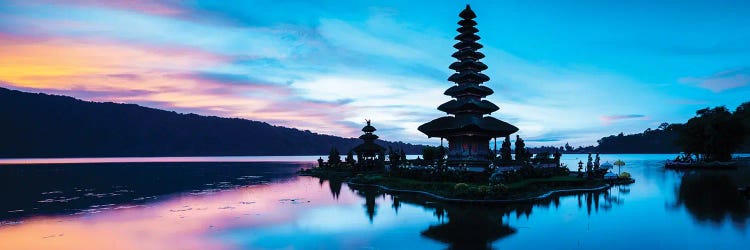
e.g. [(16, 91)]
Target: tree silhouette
[(713, 134), (41, 125), (334, 157)]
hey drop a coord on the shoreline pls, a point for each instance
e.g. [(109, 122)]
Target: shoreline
[(493, 201), (438, 190)]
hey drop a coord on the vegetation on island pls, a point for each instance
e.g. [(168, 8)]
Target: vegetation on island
[(526, 176)]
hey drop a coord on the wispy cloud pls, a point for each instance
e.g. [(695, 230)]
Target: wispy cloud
[(328, 66), (721, 81), (609, 119), (163, 77), (165, 8)]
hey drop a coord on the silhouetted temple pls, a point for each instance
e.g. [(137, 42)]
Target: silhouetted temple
[(466, 127), (368, 150)]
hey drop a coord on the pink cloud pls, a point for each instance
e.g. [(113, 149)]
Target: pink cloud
[(152, 7), (721, 81)]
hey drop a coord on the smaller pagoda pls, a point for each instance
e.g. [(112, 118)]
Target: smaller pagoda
[(368, 152)]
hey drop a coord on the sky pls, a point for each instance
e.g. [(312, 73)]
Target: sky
[(562, 71)]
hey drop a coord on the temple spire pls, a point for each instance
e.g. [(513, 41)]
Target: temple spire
[(467, 127)]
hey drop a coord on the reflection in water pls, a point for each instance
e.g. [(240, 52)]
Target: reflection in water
[(713, 197), (335, 187), (266, 206), (369, 193), (180, 222), (470, 227), (467, 226), (30, 190)]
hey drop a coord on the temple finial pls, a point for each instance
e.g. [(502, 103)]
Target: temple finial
[(467, 13)]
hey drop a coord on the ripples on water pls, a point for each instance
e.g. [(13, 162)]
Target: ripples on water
[(92, 188), (265, 205)]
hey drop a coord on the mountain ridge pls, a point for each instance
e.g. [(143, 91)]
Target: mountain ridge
[(45, 125)]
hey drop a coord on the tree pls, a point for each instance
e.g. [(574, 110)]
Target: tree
[(596, 161), (333, 156), (568, 148), (394, 157), (543, 157), (350, 157), (663, 126), (521, 154), (505, 151), (742, 113), (714, 134), (430, 153)]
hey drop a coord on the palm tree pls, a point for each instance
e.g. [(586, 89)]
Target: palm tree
[(619, 164)]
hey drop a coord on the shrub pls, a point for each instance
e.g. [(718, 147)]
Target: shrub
[(498, 188), (461, 186), (374, 178), (483, 189), (625, 175)]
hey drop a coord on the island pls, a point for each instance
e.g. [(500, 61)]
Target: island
[(467, 170)]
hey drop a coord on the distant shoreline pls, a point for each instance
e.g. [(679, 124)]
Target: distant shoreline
[(167, 159)]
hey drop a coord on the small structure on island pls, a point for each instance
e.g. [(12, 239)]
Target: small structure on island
[(368, 152), (466, 127)]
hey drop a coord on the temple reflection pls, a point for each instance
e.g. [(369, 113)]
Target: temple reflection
[(475, 226), (370, 194), (470, 228)]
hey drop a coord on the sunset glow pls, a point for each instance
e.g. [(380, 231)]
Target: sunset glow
[(561, 72)]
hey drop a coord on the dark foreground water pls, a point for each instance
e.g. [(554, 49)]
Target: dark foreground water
[(264, 205)]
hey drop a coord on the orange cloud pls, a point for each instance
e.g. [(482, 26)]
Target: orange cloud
[(62, 63), (164, 77)]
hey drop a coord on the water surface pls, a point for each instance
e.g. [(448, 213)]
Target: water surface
[(264, 205)]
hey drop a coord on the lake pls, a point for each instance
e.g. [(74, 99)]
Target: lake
[(260, 203)]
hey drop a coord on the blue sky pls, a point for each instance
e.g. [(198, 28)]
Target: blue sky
[(562, 71)]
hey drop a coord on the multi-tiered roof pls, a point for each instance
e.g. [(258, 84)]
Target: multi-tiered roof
[(368, 148), (468, 106)]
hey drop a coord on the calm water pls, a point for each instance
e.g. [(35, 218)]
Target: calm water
[(264, 205)]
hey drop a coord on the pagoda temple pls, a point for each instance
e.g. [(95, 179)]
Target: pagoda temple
[(368, 151), (467, 127)]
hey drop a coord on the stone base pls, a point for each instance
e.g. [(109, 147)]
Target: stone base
[(457, 162), (467, 169)]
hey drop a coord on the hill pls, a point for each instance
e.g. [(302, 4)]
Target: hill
[(42, 125), (662, 140)]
